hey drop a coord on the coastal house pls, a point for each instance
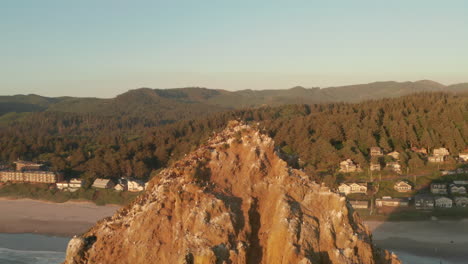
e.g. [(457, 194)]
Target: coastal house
[(438, 155), (349, 166), (344, 188), (395, 155), (120, 187), (440, 152), (135, 185), (419, 150), (439, 188), (463, 156), (424, 201), (63, 185), (103, 183), (347, 188), (358, 187), (457, 189), (436, 159), (394, 166), (391, 202), (376, 152), (402, 186), (75, 183), (461, 201), (443, 202), (375, 166), (359, 204)]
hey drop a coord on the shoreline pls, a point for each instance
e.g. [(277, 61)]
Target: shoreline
[(49, 218)]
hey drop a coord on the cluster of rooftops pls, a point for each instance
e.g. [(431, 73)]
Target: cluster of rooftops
[(441, 195), (439, 155), (32, 172)]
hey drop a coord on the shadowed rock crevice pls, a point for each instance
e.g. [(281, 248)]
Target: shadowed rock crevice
[(255, 252)]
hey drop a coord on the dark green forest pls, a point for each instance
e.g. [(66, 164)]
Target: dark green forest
[(126, 144)]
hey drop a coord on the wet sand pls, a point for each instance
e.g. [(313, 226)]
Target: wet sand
[(61, 219), (444, 241)]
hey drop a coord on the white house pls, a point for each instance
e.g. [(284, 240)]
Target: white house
[(75, 183), (402, 186), (349, 166), (457, 189), (443, 202), (63, 185), (439, 188)]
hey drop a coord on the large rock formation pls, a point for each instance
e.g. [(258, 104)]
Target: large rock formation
[(231, 201)]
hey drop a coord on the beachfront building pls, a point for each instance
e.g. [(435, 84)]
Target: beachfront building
[(75, 183), (349, 166), (457, 189), (359, 204), (30, 176), (424, 201), (62, 185), (135, 185), (391, 202), (402, 186), (463, 156), (376, 152), (443, 202), (103, 183), (439, 188)]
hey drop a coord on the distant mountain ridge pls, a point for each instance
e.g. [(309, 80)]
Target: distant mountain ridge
[(190, 102)]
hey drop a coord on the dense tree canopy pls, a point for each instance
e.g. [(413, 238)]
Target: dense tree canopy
[(322, 135)]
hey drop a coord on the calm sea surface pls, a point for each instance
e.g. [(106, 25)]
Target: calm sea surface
[(32, 248)]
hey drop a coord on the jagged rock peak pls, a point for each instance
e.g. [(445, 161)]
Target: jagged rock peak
[(231, 201)]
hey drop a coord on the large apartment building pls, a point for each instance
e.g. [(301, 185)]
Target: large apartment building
[(30, 176), (29, 172)]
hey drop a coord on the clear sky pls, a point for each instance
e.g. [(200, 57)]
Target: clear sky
[(106, 47)]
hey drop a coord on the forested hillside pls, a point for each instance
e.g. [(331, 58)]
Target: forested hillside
[(162, 106), (320, 134)]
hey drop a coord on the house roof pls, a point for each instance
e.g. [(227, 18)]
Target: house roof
[(101, 181)]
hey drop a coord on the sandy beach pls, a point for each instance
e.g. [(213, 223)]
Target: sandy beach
[(446, 241), (62, 219)]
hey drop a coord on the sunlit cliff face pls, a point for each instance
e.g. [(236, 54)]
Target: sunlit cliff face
[(231, 201)]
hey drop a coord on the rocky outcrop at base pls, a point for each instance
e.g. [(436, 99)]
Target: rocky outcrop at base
[(231, 201)]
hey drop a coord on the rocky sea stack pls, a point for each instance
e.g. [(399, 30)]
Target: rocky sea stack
[(234, 200)]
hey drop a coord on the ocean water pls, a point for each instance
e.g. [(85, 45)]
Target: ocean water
[(32, 249), (414, 259), (41, 249)]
